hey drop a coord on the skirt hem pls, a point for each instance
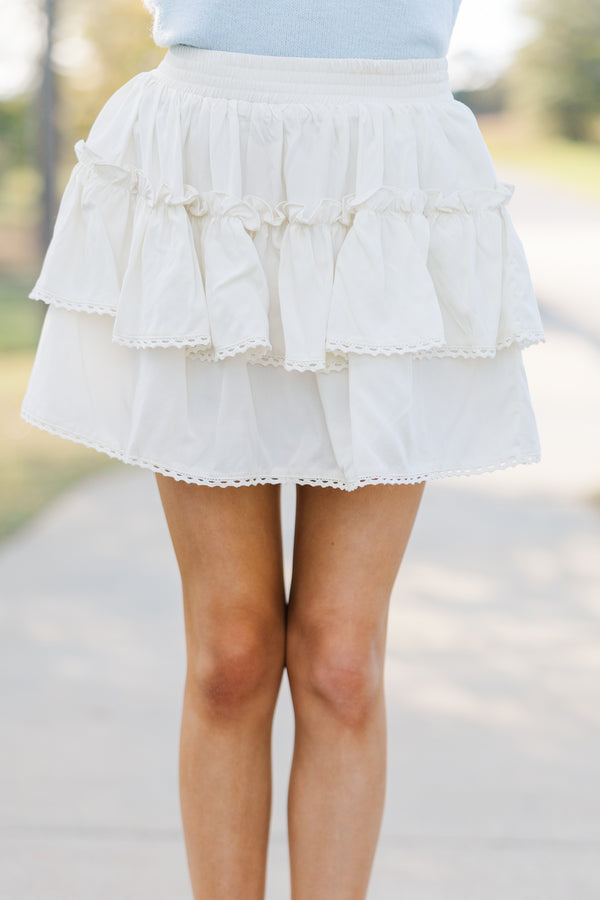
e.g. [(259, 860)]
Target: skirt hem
[(250, 480)]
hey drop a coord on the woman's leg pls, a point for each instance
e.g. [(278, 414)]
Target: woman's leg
[(347, 550), (228, 547)]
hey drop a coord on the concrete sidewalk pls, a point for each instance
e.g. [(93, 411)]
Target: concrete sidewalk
[(492, 672), (491, 680)]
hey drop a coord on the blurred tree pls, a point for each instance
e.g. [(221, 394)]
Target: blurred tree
[(48, 131), (14, 135), (490, 99), (89, 50), (556, 77), (98, 48)]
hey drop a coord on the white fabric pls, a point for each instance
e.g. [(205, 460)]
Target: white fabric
[(272, 268)]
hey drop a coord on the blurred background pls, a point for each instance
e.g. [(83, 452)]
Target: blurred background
[(494, 648)]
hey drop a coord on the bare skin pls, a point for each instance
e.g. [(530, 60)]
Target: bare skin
[(348, 547)]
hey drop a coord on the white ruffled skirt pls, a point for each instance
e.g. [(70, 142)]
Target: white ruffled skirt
[(269, 269)]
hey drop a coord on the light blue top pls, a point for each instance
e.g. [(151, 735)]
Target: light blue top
[(359, 29)]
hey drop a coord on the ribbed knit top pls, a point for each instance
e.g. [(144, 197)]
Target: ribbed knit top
[(359, 29)]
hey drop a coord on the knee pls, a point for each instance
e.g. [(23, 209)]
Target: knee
[(341, 674), (238, 669)]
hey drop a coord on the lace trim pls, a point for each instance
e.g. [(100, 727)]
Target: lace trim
[(72, 305), (193, 346), (196, 347), (258, 358), (331, 365), (522, 338), (382, 349), (200, 346), (243, 480), (426, 350)]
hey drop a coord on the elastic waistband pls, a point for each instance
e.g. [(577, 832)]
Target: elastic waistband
[(277, 79)]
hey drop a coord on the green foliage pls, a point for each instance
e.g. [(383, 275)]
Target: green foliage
[(20, 318), (15, 128), (20, 188), (34, 466), (556, 78), (118, 34), (485, 100), (573, 164)]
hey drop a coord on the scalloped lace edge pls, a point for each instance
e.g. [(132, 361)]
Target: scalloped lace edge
[(247, 480), (73, 305), (200, 346), (435, 348), (254, 357)]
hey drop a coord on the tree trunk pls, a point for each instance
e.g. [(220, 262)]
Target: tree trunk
[(48, 132)]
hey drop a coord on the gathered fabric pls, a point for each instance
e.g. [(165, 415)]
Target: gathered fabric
[(282, 268)]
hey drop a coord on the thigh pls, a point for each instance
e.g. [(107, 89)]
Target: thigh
[(348, 547), (227, 541)]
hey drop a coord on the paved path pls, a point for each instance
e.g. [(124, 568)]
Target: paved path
[(491, 675)]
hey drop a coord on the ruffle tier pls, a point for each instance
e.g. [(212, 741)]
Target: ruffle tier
[(383, 420), (195, 223)]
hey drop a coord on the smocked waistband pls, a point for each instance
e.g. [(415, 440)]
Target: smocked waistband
[(275, 79)]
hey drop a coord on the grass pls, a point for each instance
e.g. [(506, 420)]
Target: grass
[(20, 318), (34, 466), (574, 164)]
